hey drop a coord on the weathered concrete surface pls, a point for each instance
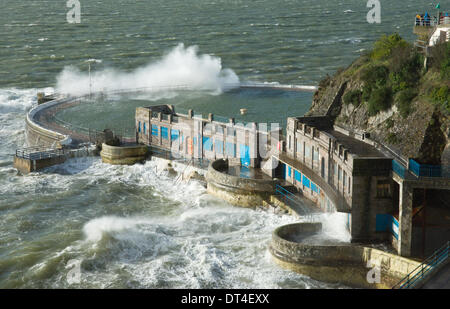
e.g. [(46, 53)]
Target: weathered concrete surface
[(123, 155), (244, 192), (345, 264), (441, 280), (26, 166), (37, 134), (340, 203)]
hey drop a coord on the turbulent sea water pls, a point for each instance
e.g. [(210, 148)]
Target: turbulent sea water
[(131, 226)]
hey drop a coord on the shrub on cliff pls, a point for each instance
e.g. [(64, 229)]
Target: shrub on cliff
[(380, 100), (404, 99), (441, 60), (441, 96), (386, 44), (375, 75), (445, 69), (406, 71), (353, 97)]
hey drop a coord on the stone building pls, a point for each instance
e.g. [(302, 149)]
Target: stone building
[(192, 136), (340, 172)]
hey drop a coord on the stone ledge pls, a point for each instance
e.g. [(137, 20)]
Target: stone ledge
[(345, 264), (123, 155)]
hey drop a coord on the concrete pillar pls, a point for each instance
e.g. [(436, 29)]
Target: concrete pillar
[(198, 134), (210, 117), (405, 220), (190, 113), (253, 144)]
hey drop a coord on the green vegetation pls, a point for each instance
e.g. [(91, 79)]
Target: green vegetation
[(392, 138), (380, 100), (439, 90), (403, 101), (441, 60), (386, 45), (393, 71), (353, 97), (389, 123), (441, 96)]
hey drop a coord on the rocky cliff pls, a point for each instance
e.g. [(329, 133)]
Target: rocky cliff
[(391, 95)]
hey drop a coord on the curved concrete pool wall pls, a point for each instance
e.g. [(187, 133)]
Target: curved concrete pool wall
[(344, 264), (123, 155), (244, 192), (37, 135)]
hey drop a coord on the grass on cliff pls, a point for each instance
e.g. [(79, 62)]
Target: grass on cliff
[(393, 73)]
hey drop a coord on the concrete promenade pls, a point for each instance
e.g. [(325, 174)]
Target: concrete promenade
[(440, 280)]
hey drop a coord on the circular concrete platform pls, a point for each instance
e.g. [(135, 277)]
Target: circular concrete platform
[(245, 189), (123, 155), (341, 263)]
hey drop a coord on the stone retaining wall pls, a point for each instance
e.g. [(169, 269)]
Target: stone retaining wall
[(244, 192), (123, 155), (37, 135), (344, 264)]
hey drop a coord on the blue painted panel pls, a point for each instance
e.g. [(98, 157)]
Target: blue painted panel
[(424, 170), (306, 181), (139, 127), (174, 134), (289, 171), (398, 168), (382, 222), (164, 133), (298, 176), (154, 130), (386, 223), (314, 187), (207, 144), (245, 155), (394, 227), (195, 141), (145, 128)]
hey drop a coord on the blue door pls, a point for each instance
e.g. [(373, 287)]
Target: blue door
[(245, 155)]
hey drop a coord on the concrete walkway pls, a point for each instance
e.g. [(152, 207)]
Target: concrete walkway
[(441, 280)]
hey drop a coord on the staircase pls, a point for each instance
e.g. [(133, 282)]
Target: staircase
[(424, 271), (287, 197)]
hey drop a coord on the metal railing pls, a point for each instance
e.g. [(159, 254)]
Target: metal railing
[(438, 258), (39, 153), (399, 169), (426, 170), (426, 22), (291, 199)]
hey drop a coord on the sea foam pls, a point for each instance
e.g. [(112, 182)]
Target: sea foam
[(181, 67)]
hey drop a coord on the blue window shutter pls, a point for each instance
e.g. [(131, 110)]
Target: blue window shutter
[(298, 176), (154, 130), (306, 181), (174, 134), (164, 133)]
